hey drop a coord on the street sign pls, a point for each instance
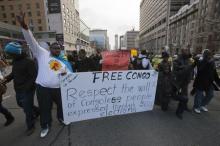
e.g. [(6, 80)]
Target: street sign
[(54, 6)]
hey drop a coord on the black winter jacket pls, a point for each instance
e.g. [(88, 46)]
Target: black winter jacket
[(206, 75), (24, 73)]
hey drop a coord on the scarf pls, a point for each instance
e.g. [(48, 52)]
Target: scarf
[(64, 59)]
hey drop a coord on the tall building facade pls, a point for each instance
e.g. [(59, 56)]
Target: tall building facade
[(130, 39), (9, 33), (154, 15), (116, 42), (83, 38), (208, 36), (122, 42), (99, 39), (196, 26), (35, 13), (52, 18), (183, 28), (63, 17)]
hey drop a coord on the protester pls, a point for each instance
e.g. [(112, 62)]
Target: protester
[(164, 82), (97, 61), (23, 74), (84, 64), (205, 81), (51, 64), (3, 110), (182, 70), (72, 58), (143, 63)]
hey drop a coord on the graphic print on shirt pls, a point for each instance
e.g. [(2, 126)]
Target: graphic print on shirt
[(55, 65)]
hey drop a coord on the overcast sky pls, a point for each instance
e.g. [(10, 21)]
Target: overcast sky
[(117, 16)]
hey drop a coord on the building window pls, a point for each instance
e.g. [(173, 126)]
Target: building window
[(4, 15), (14, 22), (12, 15), (38, 13), (11, 7), (29, 14), (2, 8), (28, 6), (20, 7), (37, 5), (39, 21), (40, 28)]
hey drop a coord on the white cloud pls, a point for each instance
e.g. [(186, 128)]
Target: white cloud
[(117, 16)]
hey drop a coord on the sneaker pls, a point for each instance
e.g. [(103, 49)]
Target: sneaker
[(63, 123), (197, 111), (9, 121), (44, 132), (30, 131), (204, 109)]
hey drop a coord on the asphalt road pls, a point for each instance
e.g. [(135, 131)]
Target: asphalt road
[(154, 128)]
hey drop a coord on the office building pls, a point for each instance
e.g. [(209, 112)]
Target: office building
[(130, 38), (122, 43), (116, 42), (83, 38), (154, 16), (196, 26), (208, 36), (58, 19), (99, 39), (183, 28)]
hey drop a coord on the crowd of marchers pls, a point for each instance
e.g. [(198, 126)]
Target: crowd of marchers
[(175, 76), (41, 76)]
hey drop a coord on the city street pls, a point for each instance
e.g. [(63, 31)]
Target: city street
[(154, 128), (103, 62)]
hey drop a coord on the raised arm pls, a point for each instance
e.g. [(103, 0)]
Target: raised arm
[(36, 49)]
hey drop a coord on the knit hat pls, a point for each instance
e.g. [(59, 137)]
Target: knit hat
[(165, 55), (13, 48)]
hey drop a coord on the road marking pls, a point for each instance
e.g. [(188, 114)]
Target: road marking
[(6, 97)]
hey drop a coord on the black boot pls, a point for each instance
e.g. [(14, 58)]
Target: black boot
[(10, 119), (164, 107), (180, 110), (179, 116)]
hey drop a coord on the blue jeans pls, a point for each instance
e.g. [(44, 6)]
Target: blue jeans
[(25, 99), (202, 99)]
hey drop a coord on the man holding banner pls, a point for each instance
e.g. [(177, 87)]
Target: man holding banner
[(51, 64)]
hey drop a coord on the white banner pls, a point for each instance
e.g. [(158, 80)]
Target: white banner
[(101, 94)]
